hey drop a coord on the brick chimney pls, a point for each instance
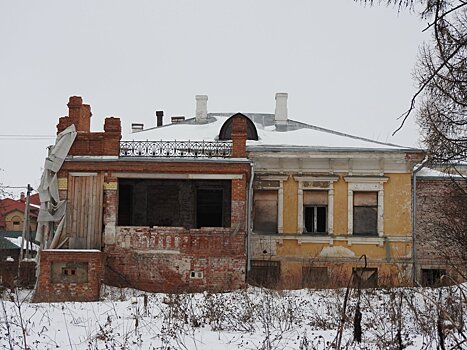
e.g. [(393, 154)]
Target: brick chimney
[(79, 114), (239, 136), (281, 114), (87, 143), (201, 108)]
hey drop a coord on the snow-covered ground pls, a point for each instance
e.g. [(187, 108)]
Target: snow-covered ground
[(253, 318)]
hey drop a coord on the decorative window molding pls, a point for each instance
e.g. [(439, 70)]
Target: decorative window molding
[(361, 184), (323, 183)]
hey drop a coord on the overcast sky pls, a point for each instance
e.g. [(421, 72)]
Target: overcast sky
[(345, 66)]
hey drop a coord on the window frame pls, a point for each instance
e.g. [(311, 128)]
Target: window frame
[(366, 184), (316, 183), (315, 219), (272, 183), (374, 206)]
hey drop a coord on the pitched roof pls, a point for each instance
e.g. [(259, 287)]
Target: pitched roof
[(294, 135), (10, 234), (7, 244)]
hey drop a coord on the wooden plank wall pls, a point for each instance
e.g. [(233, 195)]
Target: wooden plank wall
[(84, 212)]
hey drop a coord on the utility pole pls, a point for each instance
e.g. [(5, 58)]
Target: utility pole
[(26, 227)]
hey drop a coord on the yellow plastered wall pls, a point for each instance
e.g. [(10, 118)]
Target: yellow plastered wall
[(291, 248), (340, 207), (398, 205), (290, 214)]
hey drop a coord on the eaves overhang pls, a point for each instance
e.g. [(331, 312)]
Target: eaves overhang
[(315, 149), (112, 159)]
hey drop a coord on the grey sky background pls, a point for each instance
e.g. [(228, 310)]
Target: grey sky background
[(345, 66)]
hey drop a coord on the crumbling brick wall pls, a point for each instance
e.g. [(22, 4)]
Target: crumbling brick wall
[(69, 275), (174, 259)]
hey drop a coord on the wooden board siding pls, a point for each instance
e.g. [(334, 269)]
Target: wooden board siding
[(84, 213)]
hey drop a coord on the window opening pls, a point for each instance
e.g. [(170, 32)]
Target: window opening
[(264, 273), (174, 203), (365, 213), (432, 277), (315, 211), (209, 207), (315, 219), (265, 211)]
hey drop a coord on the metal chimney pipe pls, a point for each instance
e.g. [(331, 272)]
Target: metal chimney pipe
[(160, 117)]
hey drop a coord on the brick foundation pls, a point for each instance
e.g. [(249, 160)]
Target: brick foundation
[(58, 282)]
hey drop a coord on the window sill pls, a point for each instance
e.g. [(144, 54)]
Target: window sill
[(365, 234)]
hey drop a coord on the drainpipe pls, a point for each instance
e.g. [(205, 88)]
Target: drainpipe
[(414, 221), (249, 223)]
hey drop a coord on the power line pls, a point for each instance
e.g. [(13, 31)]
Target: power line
[(26, 137), (22, 135), (15, 186)]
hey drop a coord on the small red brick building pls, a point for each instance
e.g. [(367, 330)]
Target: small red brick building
[(166, 216)]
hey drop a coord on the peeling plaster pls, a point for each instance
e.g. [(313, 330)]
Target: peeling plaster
[(336, 252)]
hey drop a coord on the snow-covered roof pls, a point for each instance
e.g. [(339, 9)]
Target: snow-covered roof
[(433, 173), (294, 135), (17, 242)]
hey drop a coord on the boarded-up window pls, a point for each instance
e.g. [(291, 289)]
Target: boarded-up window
[(265, 211), (315, 211), (365, 213), (365, 277), (432, 277), (314, 277), (84, 211), (264, 273)]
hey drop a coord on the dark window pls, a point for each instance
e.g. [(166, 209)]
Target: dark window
[(315, 211), (314, 277), (264, 273), (125, 204), (174, 203), (209, 207), (432, 277), (315, 219), (16, 223), (365, 213), (365, 277), (265, 211)]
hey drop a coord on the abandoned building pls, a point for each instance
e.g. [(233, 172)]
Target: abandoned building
[(287, 203), (155, 215)]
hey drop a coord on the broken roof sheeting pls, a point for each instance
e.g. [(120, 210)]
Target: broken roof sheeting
[(297, 134)]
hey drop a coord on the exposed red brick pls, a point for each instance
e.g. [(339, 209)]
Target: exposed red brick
[(47, 291)]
